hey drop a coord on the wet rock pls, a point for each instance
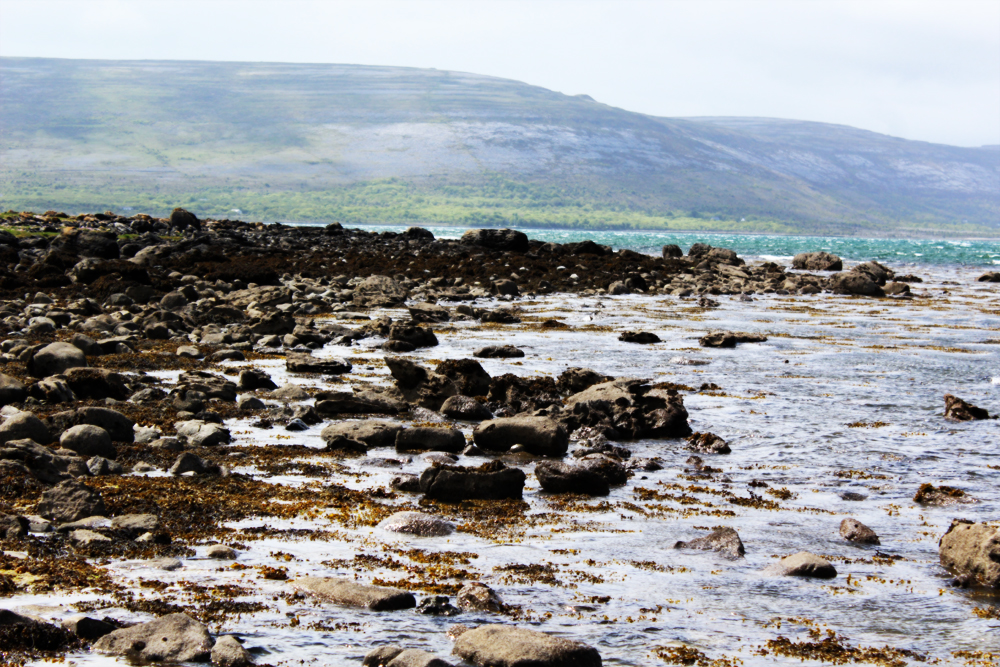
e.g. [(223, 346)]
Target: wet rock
[(803, 564), (498, 352), (724, 540), (70, 501), (188, 462), (496, 239), (437, 605), (228, 652), (509, 646), (97, 384), (221, 552), (199, 433), (418, 386), (468, 375), (365, 402), (853, 496), (183, 219), (428, 313), (88, 628), (379, 292), (252, 379), (708, 443), (55, 359), (853, 530), (413, 335), (641, 337), (476, 596), (53, 389), (854, 282), (170, 638), (929, 494), (425, 438), (955, 409), (349, 593), (406, 483), (135, 525), (417, 523), (370, 432), (189, 352), (729, 339), (465, 408), (88, 441), (118, 426), (28, 457), (608, 467), (989, 277), (12, 390), (417, 658), (541, 436), (574, 380), (644, 464), (86, 537), (21, 633), (250, 403), (380, 656), (972, 551), (628, 407), (99, 466), (896, 289), (558, 477), (298, 362), (25, 425), (498, 316), (672, 251), (817, 261), (289, 392), (490, 481), (13, 527)]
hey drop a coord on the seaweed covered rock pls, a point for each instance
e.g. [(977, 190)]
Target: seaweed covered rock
[(559, 477), (955, 409)]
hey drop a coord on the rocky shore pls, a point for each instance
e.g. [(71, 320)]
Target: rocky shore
[(138, 352)]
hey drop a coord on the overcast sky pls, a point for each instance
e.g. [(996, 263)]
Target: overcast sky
[(927, 70)]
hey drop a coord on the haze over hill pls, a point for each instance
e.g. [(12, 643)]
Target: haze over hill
[(382, 144)]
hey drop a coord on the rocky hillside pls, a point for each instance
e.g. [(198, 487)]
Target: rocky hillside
[(321, 142)]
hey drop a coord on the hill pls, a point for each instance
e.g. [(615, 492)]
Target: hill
[(353, 143)]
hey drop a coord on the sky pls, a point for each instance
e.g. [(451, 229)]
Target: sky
[(927, 70)]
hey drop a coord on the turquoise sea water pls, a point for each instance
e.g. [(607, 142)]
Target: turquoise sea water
[(895, 251)]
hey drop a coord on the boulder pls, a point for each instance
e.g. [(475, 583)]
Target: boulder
[(183, 219), (724, 540), (413, 335), (13, 527), (28, 457), (708, 443), (70, 501), (379, 292), (252, 379), (928, 494), (608, 467), (558, 477), (641, 337), (98, 466), (989, 277), (574, 380), (22, 633), (504, 288), (467, 374), (628, 408), (414, 657), (191, 462), (729, 339), (299, 362), (289, 392), (88, 628), (972, 551), (274, 323), (118, 426), (498, 352), (672, 251), (55, 359), (12, 390), (854, 282), (88, 441), (418, 386), (53, 390), (853, 530), (417, 523), (371, 432), (541, 436), (430, 439), (349, 593), (465, 408), (428, 313), (380, 656), (199, 433), (509, 646), (955, 409), (476, 596), (817, 261), (170, 638), (490, 481), (803, 564), (25, 425), (228, 652), (364, 402), (97, 384), (496, 239)]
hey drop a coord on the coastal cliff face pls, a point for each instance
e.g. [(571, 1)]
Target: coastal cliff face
[(279, 132)]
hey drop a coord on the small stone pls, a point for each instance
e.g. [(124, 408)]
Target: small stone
[(417, 523), (221, 552), (437, 605)]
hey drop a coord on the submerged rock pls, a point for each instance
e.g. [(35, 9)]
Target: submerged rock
[(928, 494), (641, 337), (803, 564), (853, 530), (708, 443), (228, 652), (371, 432), (427, 438), (417, 523)]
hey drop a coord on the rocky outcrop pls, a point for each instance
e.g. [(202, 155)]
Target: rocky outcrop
[(541, 436), (853, 530), (477, 596), (627, 408), (70, 501), (467, 374), (509, 646), (972, 551), (817, 261), (55, 359), (708, 443)]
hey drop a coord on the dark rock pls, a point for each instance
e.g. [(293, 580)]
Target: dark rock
[(476, 596), (468, 375), (412, 335), (508, 646), (491, 481), (972, 550), (252, 379), (729, 339), (504, 288), (672, 251), (428, 313), (989, 277), (628, 407), (465, 408), (349, 593), (13, 527), (498, 352), (370, 432), (11, 390), (118, 426), (942, 495), (88, 628), (28, 457), (88, 441), (437, 605), (426, 438), (297, 362), (642, 337), (25, 425), (70, 501), (724, 540), (365, 402), (708, 443), (379, 292), (418, 386), (958, 410), (611, 469), (574, 380), (853, 530), (97, 384), (558, 477), (817, 261), (55, 359), (182, 219), (381, 656), (170, 638), (853, 282), (541, 436), (496, 239), (498, 316), (191, 462), (98, 466), (21, 633)]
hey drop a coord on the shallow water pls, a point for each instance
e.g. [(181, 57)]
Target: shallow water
[(845, 395)]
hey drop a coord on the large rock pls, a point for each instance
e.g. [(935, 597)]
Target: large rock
[(817, 261), (88, 441), (558, 477), (498, 352), (490, 481), (628, 407), (189, 462), (803, 564), (22, 633), (972, 551), (955, 409), (252, 379), (729, 339), (379, 292), (496, 239), (300, 362), (97, 384), (118, 426), (509, 646), (418, 386), (371, 432), (430, 439), (855, 282), (476, 596), (349, 593), (417, 523), (467, 374), (25, 425), (363, 402), (170, 638), (70, 501), (28, 457), (413, 335), (228, 652), (465, 408), (12, 390), (199, 433), (541, 436), (183, 219), (724, 540), (853, 530), (55, 359), (641, 337), (574, 380)]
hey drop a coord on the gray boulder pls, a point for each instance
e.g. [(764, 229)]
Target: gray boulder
[(70, 501), (854, 282), (371, 432), (803, 564), (88, 441), (817, 261), (252, 379), (541, 436), (13, 527), (465, 408), (417, 523), (972, 551), (88, 628), (118, 426), (509, 646), (853, 530), (381, 656), (558, 477), (98, 466), (199, 433), (414, 657), (349, 593), (55, 359), (12, 390), (170, 638), (25, 425), (432, 439), (362, 402), (630, 408), (188, 462), (725, 541), (228, 652)]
